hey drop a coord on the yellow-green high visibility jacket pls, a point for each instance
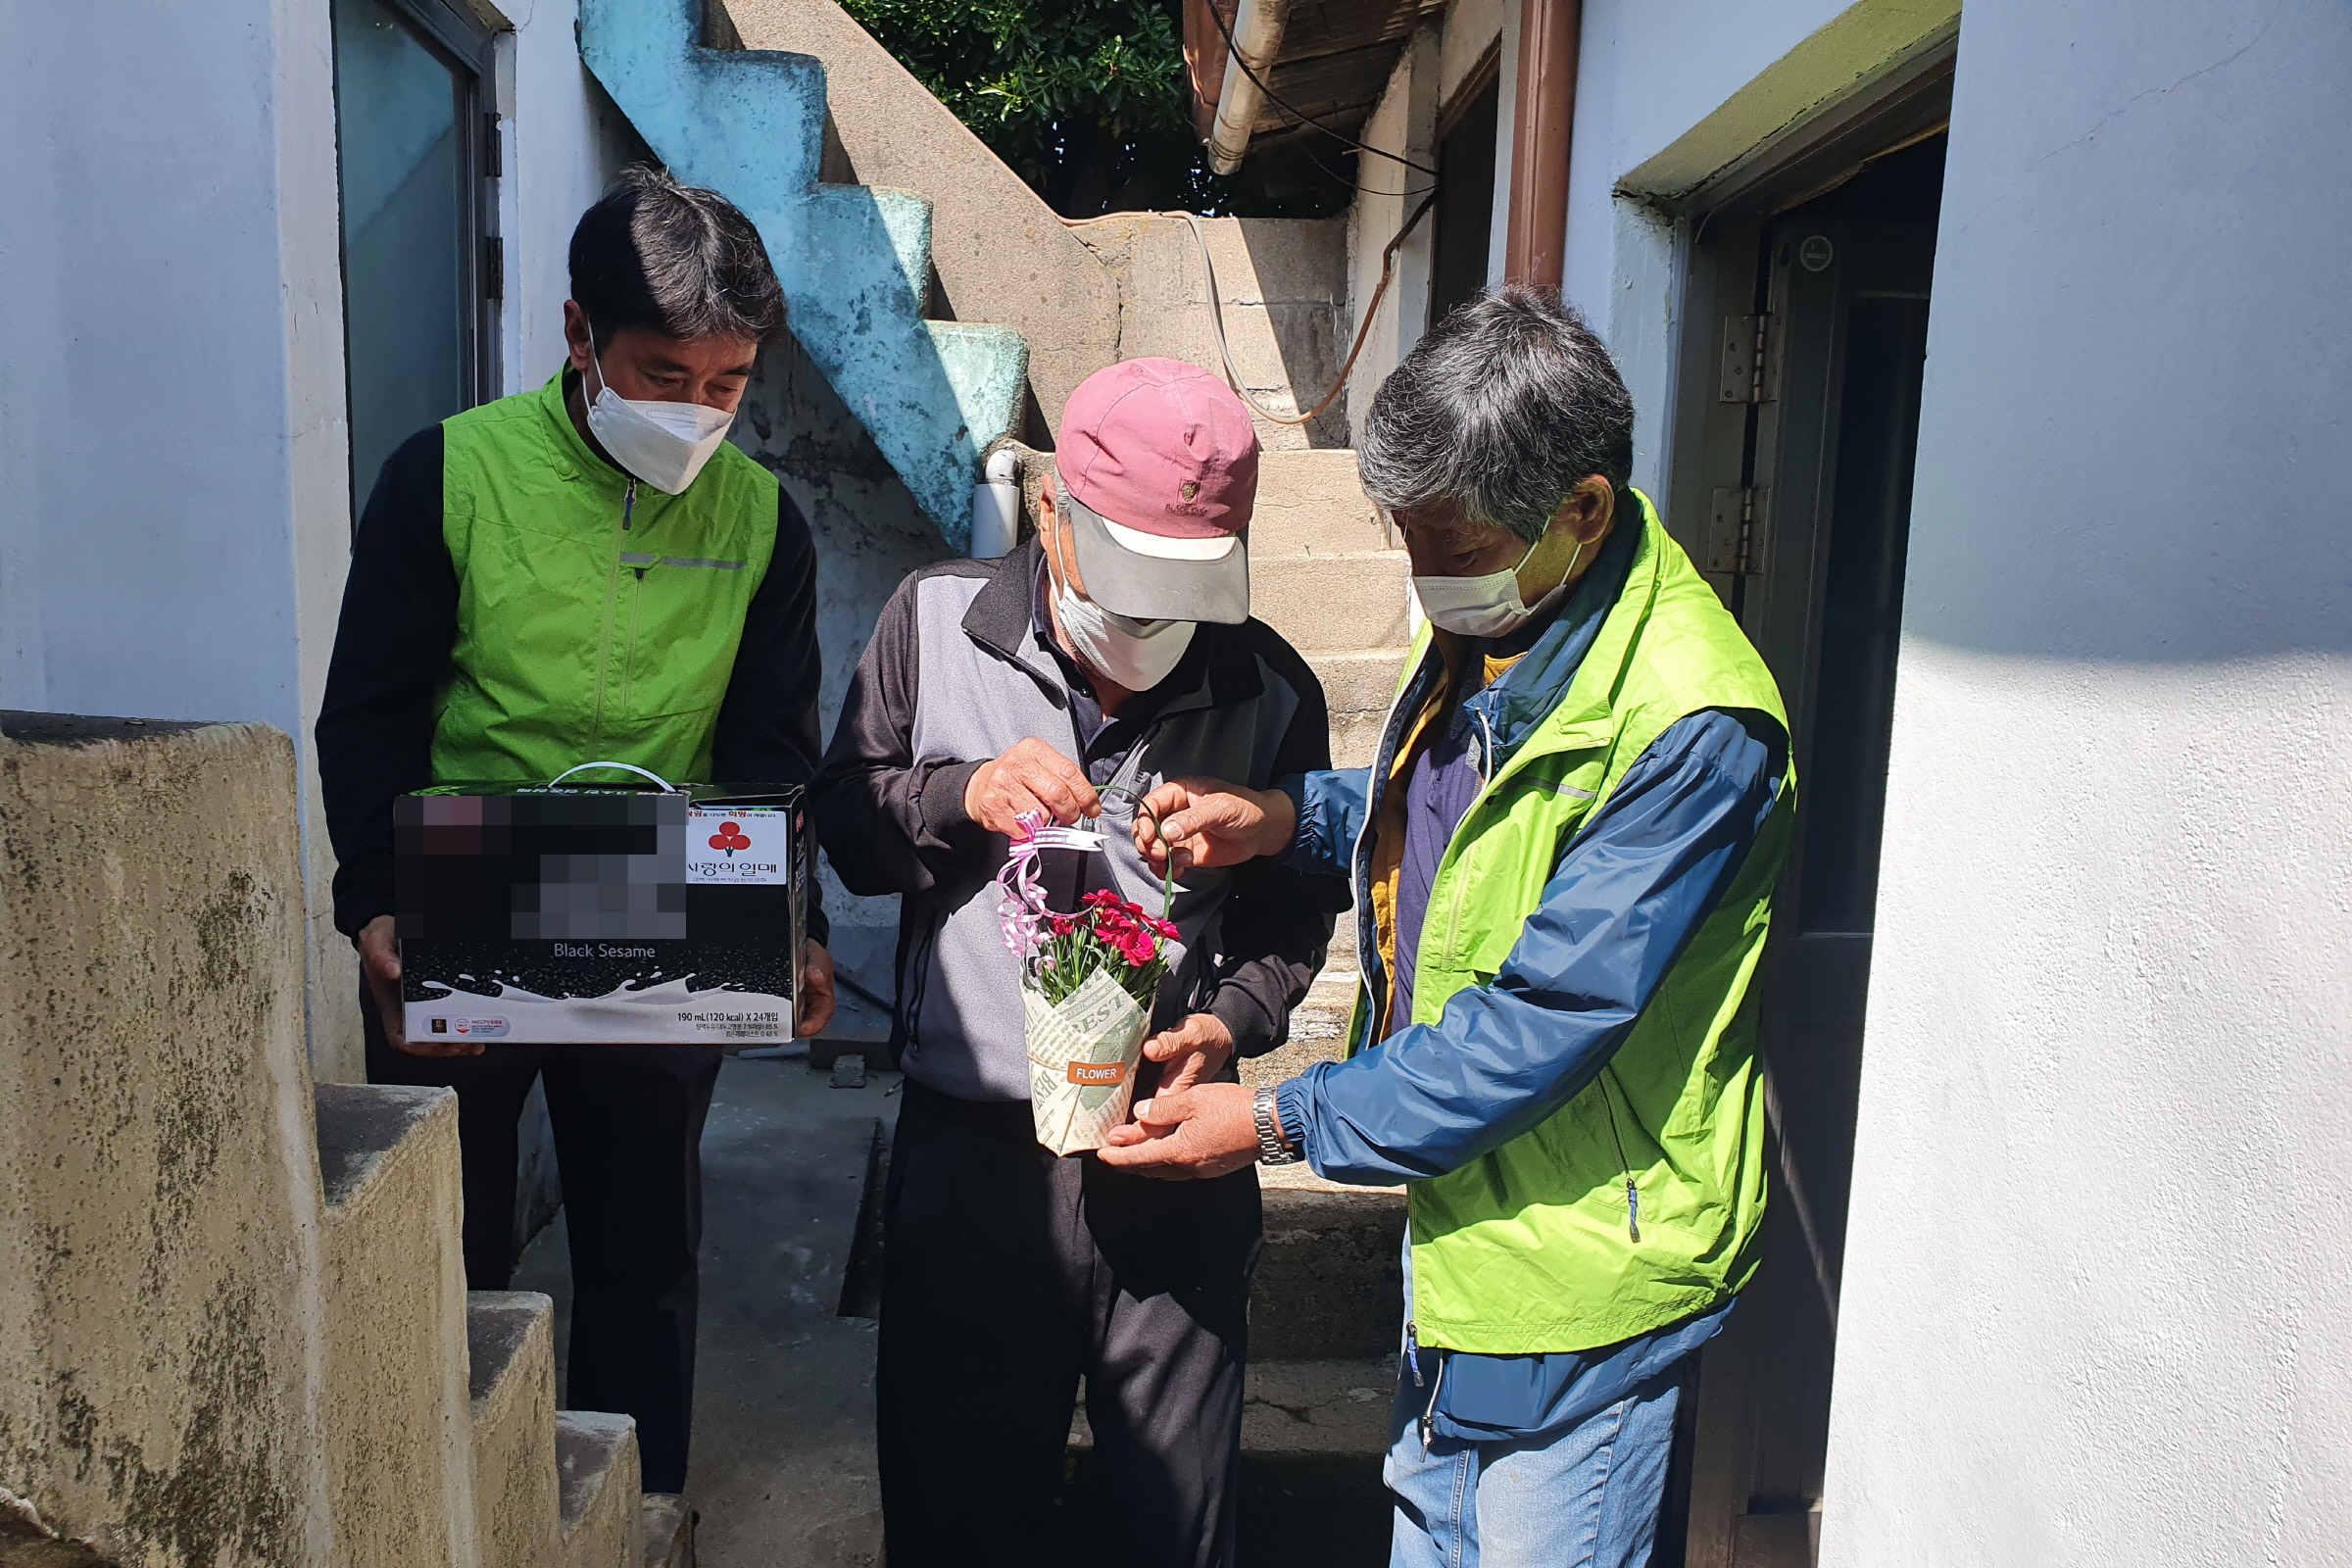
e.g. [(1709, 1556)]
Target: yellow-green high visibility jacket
[(1635, 1202)]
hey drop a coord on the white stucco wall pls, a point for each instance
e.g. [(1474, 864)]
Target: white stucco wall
[(2096, 1267), (564, 141), (1403, 123), (171, 400)]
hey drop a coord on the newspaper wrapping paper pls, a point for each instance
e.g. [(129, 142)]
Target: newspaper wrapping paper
[(1082, 1060)]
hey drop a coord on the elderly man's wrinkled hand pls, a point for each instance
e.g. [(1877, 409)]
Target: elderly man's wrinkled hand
[(1192, 1052), (1030, 777), (1190, 1135), (1208, 822)]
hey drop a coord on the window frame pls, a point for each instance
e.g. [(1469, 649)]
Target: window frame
[(467, 46)]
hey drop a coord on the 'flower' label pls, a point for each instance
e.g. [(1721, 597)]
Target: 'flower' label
[(1098, 1074)]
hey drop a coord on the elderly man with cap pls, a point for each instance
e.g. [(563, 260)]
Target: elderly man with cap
[(1110, 651)]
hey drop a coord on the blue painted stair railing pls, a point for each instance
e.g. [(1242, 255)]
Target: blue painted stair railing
[(854, 261)]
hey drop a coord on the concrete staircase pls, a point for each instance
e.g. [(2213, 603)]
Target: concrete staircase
[(854, 261), (1323, 573), (233, 1324)]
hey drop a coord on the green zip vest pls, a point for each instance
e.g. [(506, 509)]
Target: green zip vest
[(598, 617), (1530, 1249)]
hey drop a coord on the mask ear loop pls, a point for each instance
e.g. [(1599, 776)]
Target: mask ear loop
[(1556, 587)]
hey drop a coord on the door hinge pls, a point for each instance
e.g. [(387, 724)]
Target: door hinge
[(494, 267), (1739, 530), (1746, 368), (493, 160)]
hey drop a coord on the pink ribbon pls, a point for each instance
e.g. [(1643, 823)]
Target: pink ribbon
[(1021, 910)]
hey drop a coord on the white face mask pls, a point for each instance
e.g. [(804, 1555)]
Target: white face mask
[(1136, 653), (664, 444), (1488, 606)]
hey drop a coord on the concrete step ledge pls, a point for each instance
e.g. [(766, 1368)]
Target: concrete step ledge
[(668, 1531), (359, 1127), (511, 1349), (1340, 604), (1304, 1408), (600, 1496), (1331, 1278), (1311, 502), (395, 1410), (1360, 680)]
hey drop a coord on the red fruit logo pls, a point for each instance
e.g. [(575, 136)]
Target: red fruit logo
[(730, 838)]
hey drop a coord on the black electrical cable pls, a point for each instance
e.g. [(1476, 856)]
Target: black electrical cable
[(1233, 52), (1338, 179)]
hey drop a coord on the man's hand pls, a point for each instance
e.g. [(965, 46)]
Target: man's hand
[(379, 962), (1188, 1136), (815, 1003), (1031, 777), (1192, 1052), (1207, 821)]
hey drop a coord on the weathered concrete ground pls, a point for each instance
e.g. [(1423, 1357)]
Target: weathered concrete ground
[(783, 1427)]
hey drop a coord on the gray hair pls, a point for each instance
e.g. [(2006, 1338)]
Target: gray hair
[(1504, 407), (673, 259)]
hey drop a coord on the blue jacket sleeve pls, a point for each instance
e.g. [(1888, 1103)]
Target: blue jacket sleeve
[(1330, 807), (1625, 899)]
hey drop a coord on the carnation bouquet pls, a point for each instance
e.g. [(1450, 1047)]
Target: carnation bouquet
[(1088, 980)]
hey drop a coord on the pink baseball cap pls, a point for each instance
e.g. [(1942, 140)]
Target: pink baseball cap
[(1159, 460)]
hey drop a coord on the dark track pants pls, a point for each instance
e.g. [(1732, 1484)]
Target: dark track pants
[(628, 1124), (1008, 1274)]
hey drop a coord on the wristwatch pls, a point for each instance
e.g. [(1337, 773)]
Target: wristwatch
[(1271, 1149)]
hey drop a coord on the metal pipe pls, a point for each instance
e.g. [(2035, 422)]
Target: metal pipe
[(1257, 40), (1542, 120)]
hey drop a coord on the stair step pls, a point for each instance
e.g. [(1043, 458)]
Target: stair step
[(360, 1125), (1331, 1278), (1312, 503), (395, 1410), (1334, 603), (905, 216), (987, 368), (1357, 688), (596, 1466), (668, 1531), (510, 1351), (1303, 1408)]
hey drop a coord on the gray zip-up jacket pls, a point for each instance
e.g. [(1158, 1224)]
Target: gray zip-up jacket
[(956, 673)]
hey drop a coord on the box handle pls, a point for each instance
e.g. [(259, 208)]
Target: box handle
[(626, 767)]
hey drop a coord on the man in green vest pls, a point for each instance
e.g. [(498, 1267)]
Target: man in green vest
[(1564, 854), (588, 573)]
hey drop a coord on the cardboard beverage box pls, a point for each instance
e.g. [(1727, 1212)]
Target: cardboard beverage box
[(576, 914)]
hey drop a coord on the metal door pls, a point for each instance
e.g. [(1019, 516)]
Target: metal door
[(1825, 527)]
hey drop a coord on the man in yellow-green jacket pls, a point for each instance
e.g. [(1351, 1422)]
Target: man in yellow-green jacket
[(588, 573), (1563, 856)]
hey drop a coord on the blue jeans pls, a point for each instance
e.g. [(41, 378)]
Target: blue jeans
[(1582, 1499)]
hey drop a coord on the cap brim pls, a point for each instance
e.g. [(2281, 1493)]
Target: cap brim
[(1150, 578)]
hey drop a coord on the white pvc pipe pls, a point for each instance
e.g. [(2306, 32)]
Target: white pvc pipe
[(1257, 40), (997, 505)]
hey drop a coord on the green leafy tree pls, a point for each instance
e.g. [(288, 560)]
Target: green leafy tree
[(1084, 99)]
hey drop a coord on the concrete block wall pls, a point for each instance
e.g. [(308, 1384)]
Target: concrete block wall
[(1282, 293), (158, 1208), (233, 1323)]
